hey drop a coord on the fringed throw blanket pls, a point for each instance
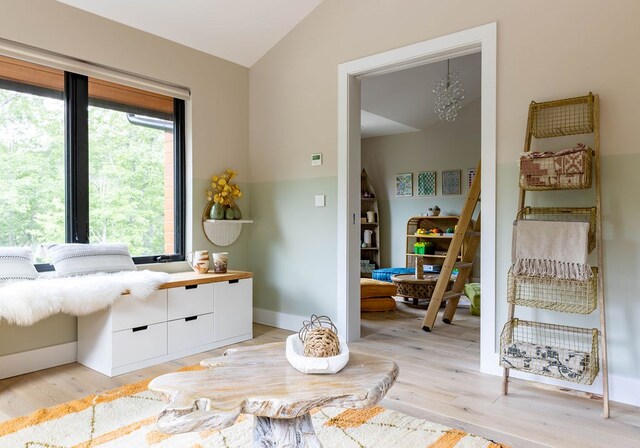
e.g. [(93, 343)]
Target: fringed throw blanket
[(546, 360), (27, 302), (551, 249)]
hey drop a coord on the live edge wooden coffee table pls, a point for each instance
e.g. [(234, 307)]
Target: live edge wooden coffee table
[(260, 381)]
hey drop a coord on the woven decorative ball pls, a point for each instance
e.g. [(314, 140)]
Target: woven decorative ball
[(321, 342), (320, 337)]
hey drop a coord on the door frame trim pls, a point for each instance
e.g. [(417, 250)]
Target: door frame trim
[(479, 39)]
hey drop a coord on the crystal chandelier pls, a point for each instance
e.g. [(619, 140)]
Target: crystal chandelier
[(449, 94)]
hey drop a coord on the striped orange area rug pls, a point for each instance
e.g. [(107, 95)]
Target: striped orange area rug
[(125, 418)]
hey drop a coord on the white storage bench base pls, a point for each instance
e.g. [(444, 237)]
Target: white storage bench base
[(191, 314)]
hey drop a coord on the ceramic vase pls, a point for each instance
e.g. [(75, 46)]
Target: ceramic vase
[(237, 214), (217, 211), (228, 213)]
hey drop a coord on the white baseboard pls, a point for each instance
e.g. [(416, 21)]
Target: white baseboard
[(276, 319), (624, 390), (33, 360), (621, 389)]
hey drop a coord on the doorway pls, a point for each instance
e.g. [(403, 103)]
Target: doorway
[(480, 39)]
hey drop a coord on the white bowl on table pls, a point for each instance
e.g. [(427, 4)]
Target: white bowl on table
[(308, 364)]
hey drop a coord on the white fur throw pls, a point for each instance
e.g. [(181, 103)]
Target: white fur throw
[(27, 302)]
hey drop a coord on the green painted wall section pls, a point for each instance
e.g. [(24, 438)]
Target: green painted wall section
[(59, 329), (621, 218), (293, 246)]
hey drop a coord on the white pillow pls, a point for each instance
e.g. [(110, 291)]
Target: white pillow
[(83, 259), (16, 264)]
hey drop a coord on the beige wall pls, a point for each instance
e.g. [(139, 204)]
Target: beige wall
[(442, 146), (547, 49), (217, 128)]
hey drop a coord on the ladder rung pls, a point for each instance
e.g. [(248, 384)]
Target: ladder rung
[(462, 264), (472, 234), (450, 295)]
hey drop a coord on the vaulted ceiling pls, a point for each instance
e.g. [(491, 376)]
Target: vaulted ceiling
[(403, 101), (240, 31)]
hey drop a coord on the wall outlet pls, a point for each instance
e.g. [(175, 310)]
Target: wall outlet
[(320, 200)]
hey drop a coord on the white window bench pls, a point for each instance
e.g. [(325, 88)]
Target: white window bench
[(192, 313)]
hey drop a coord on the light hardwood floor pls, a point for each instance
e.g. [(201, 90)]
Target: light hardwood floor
[(439, 380)]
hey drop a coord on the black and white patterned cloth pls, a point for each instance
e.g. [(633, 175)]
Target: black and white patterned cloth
[(16, 264), (83, 259), (546, 360)]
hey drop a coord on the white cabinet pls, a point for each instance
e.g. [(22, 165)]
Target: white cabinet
[(140, 343), (190, 332), (130, 331), (232, 309), (191, 300), (172, 323), (130, 313)]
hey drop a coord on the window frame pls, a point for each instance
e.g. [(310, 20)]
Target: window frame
[(76, 159)]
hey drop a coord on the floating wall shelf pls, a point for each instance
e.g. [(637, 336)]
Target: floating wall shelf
[(221, 232)]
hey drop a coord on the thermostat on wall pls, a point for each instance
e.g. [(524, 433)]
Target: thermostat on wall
[(316, 159)]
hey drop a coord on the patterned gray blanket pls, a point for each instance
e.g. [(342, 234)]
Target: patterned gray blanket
[(546, 360)]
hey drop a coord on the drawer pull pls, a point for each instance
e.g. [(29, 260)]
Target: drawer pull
[(233, 281), (191, 287), (187, 319), (144, 327)]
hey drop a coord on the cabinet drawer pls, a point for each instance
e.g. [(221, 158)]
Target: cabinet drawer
[(190, 332), (138, 344), (190, 301), (129, 313), (233, 309)]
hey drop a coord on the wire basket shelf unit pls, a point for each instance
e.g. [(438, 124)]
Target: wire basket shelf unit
[(567, 296), (558, 118), (556, 351), (563, 352)]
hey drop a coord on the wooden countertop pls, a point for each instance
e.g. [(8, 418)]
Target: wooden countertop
[(192, 278)]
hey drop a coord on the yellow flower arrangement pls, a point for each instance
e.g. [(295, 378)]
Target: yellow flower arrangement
[(223, 191)]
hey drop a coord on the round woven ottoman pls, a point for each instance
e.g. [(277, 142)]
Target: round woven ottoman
[(418, 289)]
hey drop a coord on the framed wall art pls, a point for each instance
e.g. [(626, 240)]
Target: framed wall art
[(404, 184), (451, 182), (427, 183)]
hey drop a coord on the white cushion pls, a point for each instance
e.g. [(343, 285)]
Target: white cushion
[(83, 259), (16, 264)]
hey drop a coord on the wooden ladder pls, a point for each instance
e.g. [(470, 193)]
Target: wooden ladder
[(563, 127), (470, 239)]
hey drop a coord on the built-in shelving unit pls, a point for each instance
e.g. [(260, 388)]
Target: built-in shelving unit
[(441, 242), (369, 224)]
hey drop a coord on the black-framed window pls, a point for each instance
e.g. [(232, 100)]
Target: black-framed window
[(86, 160)]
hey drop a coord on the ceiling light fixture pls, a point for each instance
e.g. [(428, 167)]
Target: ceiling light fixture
[(449, 94)]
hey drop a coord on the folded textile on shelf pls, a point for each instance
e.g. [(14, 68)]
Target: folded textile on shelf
[(546, 360), (551, 249), (554, 169)]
